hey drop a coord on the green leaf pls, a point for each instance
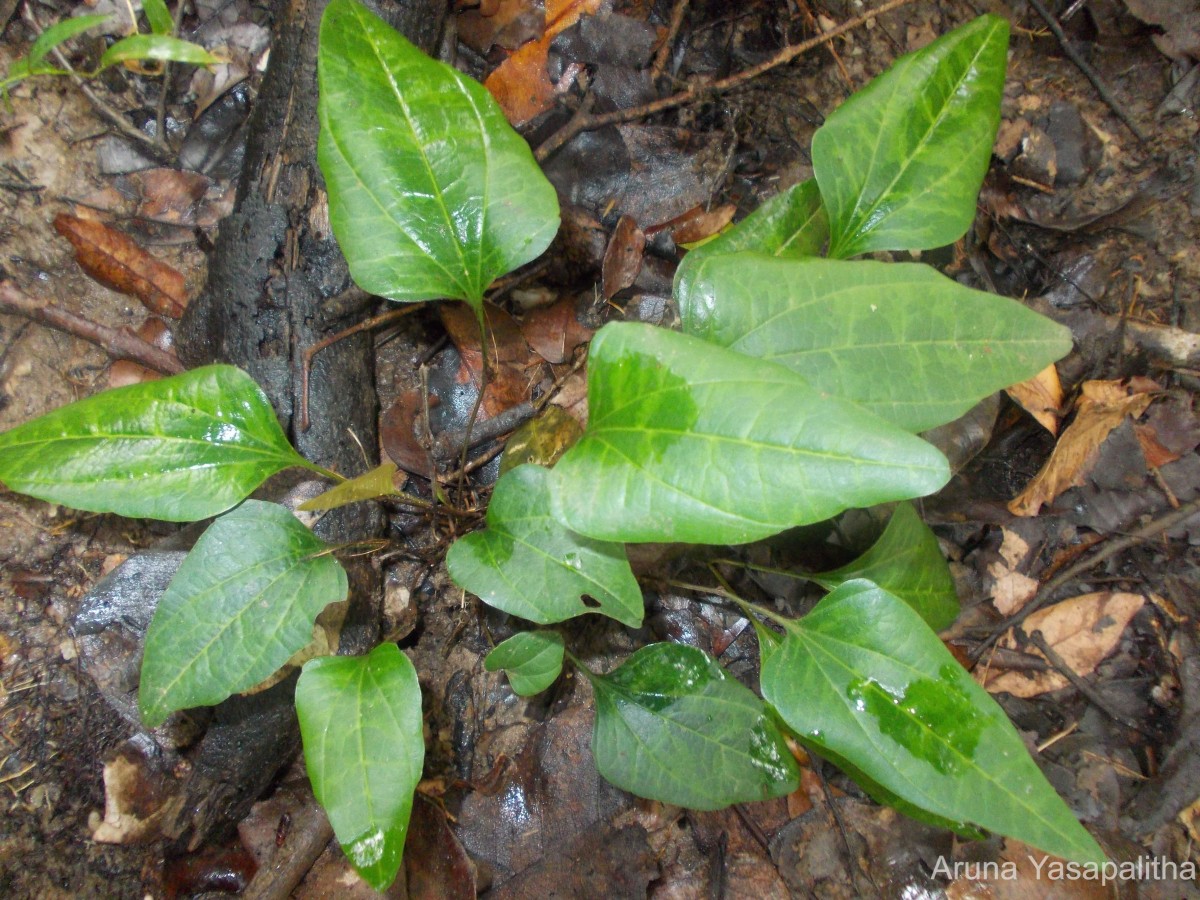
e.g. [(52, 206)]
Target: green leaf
[(61, 32), (901, 162), (901, 339), (863, 675), (532, 660), (179, 449), (163, 47), (529, 565), (906, 562), (360, 719), (691, 442), (160, 18), (671, 725), (243, 601), (431, 192), (367, 486), (791, 225)]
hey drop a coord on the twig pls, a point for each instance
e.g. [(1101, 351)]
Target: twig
[(119, 343), (1088, 72), (305, 842), (1093, 696), (590, 122), (1110, 549), (678, 11), (307, 356)]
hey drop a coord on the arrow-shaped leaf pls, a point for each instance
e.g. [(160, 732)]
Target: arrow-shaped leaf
[(864, 676), (243, 601), (532, 660), (529, 565), (360, 718), (901, 339), (691, 442), (431, 192), (180, 449), (901, 162), (670, 713), (906, 562)]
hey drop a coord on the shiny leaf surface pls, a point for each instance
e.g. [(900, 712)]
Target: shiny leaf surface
[(900, 339), (431, 193), (162, 47), (532, 660), (360, 719), (863, 675), (180, 449), (243, 601), (529, 565), (692, 442), (901, 162), (671, 725), (906, 562)]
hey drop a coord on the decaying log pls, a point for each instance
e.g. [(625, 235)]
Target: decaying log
[(274, 271)]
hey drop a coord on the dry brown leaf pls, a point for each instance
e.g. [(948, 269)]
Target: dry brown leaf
[(1082, 630), (1011, 589), (1155, 453), (508, 355), (1101, 407), (117, 262), (1041, 396), (521, 84), (623, 258), (554, 331)]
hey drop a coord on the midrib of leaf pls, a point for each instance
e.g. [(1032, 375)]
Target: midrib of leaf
[(204, 651), (937, 120), (816, 649), (558, 562), (798, 230), (368, 797), (476, 297)]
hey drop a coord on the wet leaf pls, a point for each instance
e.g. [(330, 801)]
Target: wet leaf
[(243, 601), (1101, 407), (902, 340), (360, 719), (431, 193), (532, 660), (180, 449), (1082, 630), (161, 47), (529, 565), (117, 262), (34, 63), (159, 17), (670, 712), (623, 258), (791, 225), (901, 162), (542, 440), (1041, 396), (864, 676), (367, 486), (907, 562), (689, 442)]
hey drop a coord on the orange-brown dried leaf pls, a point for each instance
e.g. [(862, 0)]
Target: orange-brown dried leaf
[(1101, 407), (1082, 631), (623, 258), (554, 331), (521, 84), (117, 262), (1042, 397), (1155, 454)]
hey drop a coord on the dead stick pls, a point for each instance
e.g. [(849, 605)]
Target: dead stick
[(1093, 696), (589, 123), (1110, 549), (117, 342), (305, 843), (1088, 72), (664, 52)]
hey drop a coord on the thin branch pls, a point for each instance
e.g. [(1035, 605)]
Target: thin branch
[(664, 51), (590, 122), (119, 343)]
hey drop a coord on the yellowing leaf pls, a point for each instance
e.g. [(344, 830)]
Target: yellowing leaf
[(1041, 396), (1101, 407), (1082, 630)]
